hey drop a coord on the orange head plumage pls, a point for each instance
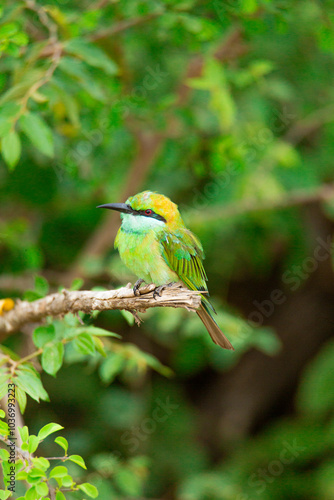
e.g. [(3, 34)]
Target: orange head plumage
[(157, 206)]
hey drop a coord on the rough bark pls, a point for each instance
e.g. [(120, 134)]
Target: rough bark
[(64, 302)]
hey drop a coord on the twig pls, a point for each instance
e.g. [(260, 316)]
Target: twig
[(14, 282), (55, 49), (124, 25), (59, 304), (310, 124), (23, 454), (294, 198), (231, 48), (19, 422)]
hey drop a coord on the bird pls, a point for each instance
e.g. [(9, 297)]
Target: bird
[(155, 245)]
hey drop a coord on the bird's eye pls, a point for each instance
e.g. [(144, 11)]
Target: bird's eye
[(148, 212)]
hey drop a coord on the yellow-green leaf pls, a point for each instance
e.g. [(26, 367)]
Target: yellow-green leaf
[(78, 460), (48, 429), (52, 357), (38, 132), (11, 148), (89, 489)]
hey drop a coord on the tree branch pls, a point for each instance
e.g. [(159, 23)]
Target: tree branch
[(53, 50), (59, 304), (323, 193), (124, 25)]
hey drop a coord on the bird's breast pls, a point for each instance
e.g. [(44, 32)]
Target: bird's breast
[(142, 254)]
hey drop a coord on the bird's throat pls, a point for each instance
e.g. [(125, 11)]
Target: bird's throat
[(140, 225)]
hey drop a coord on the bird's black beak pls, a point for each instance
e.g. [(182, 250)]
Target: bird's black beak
[(120, 207)]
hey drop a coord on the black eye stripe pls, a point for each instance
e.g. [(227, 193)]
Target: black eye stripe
[(152, 215)]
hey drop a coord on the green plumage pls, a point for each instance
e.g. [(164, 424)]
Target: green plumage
[(183, 253)]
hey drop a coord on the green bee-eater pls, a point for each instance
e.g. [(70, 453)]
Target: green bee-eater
[(155, 244)]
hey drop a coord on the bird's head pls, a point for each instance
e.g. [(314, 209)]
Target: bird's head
[(147, 210)]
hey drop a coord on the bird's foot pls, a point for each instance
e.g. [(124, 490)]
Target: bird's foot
[(159, 289), (137, 286)]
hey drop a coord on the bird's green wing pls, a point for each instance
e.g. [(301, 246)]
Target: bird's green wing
[(183, 253)]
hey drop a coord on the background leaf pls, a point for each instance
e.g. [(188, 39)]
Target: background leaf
[(11, 148), (52, 357), (38, 132)]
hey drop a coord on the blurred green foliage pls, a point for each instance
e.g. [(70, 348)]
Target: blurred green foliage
[(83, 86)]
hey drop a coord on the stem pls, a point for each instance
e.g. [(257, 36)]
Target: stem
[(29, 357)]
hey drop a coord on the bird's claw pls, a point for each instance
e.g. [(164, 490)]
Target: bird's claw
[(159, 289), (137, 286)]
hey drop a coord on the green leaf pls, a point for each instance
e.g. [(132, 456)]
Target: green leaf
[(43, 334), (77, 460), (31, 494), (24, 433), (5, 126), (16, 92), (248, 6), (20, 39), (129, 318), (33, 443), (21, 398), (29, 381), (91, 54), (61, 441), (8, 30), (11, 148), (60, 496), (4, 454), (84, 344), (41, 285), (67, 481), (266, 340), (79, 72), (22, 475), (41, 462), (58, 471), (2, 413), (99, 332), (9, 110), (31, 295), (89, 489), (38, 132), (36, 473), (154, 363), (315, 396), (70, 103), (128, 482), (48, 429), (111, 367), (77, 284), (42, 489), (5, 494), (3, 385), (13, 49), (99, 346), (4, 429), (52, 357)]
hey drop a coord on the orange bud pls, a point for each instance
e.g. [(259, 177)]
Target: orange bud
[(6, 305)]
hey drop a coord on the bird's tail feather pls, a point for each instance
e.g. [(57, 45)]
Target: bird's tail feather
[(215, 332)]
